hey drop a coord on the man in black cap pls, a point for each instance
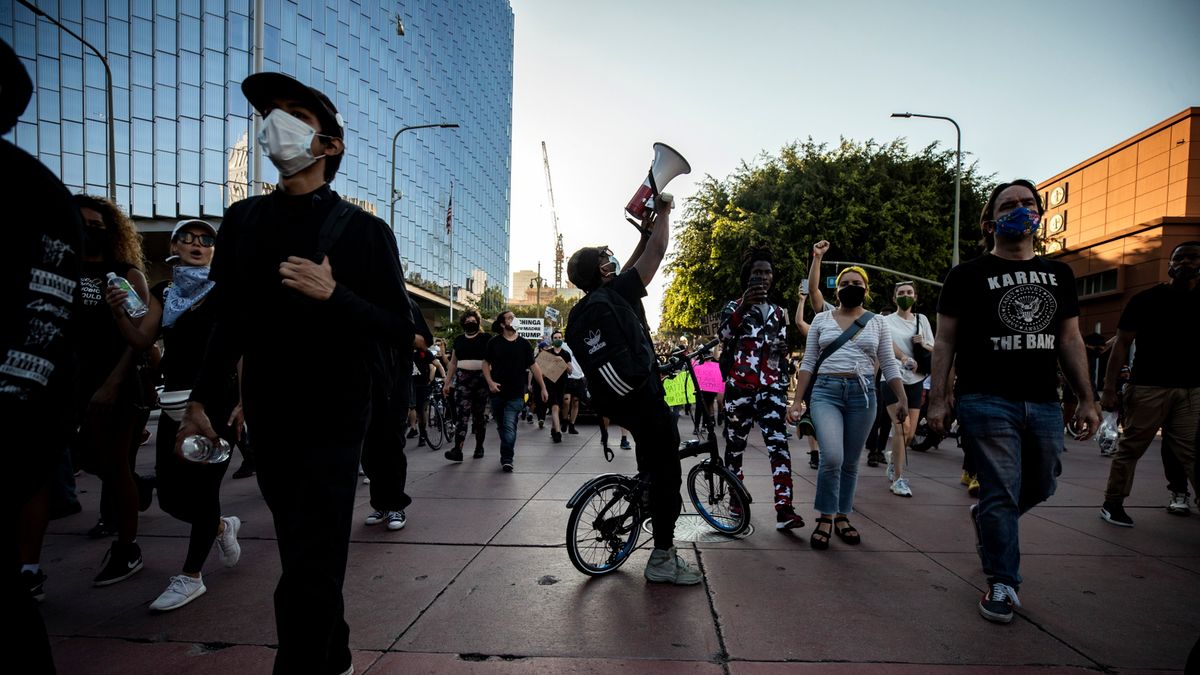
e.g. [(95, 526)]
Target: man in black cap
[(308, 289), (637, 406), (39, 291)]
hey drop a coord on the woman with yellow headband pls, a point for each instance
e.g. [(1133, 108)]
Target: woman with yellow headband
[(842, 402)]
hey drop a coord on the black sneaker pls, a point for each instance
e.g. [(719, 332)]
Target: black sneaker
[(814, 460), (978, 534), (422, 442), (412, 433), (454, 455), (1114, 513), (556, 436), (121, 562), (478, 453), (246, 470), (541, 424), (571, 429), (997, 604), (35, 582), (506, 467), (625, 444), (101, 530)]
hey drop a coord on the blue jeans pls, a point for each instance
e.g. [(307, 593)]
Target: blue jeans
[(1017, 446), (842, 412), (507, 412)]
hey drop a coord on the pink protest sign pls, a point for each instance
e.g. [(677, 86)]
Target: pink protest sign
[(709, 376)]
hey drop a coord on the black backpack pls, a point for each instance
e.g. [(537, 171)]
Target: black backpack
[(608, 340)]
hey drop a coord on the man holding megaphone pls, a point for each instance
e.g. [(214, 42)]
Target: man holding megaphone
[(608, 334)]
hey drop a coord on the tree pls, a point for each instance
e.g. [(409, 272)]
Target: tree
[(875, 203)]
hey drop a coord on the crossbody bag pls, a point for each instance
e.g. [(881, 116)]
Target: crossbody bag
[(805, 426)]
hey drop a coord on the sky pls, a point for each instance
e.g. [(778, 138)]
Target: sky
[(1037, 87)]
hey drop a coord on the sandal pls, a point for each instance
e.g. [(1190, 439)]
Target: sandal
[(820, 538), (847, 534)]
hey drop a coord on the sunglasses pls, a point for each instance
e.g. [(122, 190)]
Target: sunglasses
[(205, 240)]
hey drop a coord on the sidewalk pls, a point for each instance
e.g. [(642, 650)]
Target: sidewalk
[(479, 581)]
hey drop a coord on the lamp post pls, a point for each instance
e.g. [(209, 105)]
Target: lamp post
[(108, 96), (957, 175), (538, 282), (395, 194)]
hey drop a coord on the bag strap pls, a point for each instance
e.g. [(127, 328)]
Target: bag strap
[(335, 223), (918, 317), (846, 336)]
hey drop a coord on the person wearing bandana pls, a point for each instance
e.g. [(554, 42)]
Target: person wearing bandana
[(180, 314), (310, 316), (1006, 321), (1164, 391)]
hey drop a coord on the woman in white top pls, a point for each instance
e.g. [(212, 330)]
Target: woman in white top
[(843, 401), (910, 332)]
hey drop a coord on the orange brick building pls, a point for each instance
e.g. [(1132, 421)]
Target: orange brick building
[(1115, 217)]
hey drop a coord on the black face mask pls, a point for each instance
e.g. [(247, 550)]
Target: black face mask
[(852, 296), (95, 241), (471, 327), (1182, 273)]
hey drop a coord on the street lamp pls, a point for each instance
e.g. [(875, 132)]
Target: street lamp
[(395, 194), (957, 175), (108, 95), (538, 281)]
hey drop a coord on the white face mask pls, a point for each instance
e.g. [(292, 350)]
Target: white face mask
[(288, 142)]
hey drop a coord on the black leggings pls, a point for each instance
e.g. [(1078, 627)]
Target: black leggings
[(656, 445), (189, 491)]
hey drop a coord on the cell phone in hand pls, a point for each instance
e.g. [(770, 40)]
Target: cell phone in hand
[(804, 287)]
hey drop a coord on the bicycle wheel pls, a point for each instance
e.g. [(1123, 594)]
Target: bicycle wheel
[(603, 529), (433, 423), (717, 495)]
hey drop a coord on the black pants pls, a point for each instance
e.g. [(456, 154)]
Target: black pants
[(656, 445), (189, 491), (309, 485), (383, 456)]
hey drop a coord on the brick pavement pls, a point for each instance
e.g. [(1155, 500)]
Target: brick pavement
[(479, 582)]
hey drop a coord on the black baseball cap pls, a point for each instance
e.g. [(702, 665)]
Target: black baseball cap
[(261, 89)]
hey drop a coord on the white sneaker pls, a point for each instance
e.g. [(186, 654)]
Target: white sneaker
[(900, 487), (1179, 504), (396, 520), (181, 590), (375, 518), (891, 472), (666, 566), (228, 548)]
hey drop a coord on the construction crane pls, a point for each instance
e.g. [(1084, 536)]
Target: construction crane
[(558, 240)]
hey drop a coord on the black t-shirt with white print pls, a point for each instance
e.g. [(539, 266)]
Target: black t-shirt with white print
[(1008, 317)]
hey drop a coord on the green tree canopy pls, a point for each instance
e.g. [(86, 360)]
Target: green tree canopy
[(877, 204)]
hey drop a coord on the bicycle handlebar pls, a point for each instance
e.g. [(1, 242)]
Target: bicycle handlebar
[(676, 363)]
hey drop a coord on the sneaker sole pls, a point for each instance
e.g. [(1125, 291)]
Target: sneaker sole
[(995, 618), (193, 596), (394, 528), (1179, 512), (1109, 519), (789, 526), (123, 577), (671, 580)]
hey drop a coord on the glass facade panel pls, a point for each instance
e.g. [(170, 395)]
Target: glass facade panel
[(183, 133)]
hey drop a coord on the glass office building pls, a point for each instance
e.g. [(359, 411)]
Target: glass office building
[(184, 142)]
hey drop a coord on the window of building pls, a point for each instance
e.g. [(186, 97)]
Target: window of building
[(1095, 284)]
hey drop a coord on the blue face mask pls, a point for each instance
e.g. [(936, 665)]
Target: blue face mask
[(616, 264), (1018, 223)]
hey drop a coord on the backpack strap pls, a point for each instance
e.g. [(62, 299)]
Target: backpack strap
[(335, 223)]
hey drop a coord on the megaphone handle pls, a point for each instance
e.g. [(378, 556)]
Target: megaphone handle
[(644, 231)]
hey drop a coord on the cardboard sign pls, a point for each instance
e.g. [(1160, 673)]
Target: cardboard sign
[(709, 376), (552, 314), (552, 365), (530, 329), (680, 390)]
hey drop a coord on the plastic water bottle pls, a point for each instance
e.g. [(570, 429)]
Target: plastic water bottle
[(1108, 434), (203, 451), (134, 305)]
